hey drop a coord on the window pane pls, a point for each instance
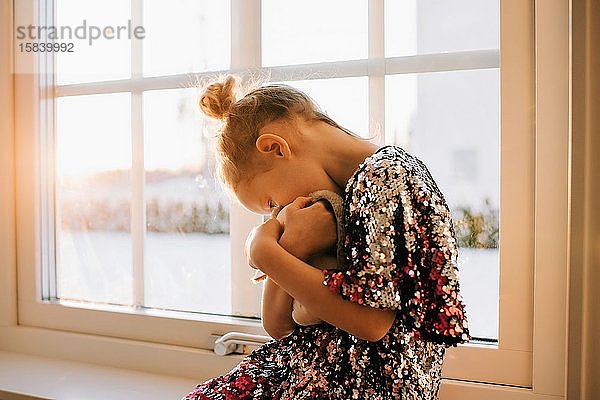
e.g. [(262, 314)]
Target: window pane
[(186, 36), (450, 120), (187, 254), (434, 26), (300, 32), (103, 59), (343, 99), (93, 242)]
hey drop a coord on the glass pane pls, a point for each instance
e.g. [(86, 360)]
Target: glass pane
[(186, 36), (95, 57), (300, 32), (345, 100), (187, 254), (93, 190), (435, 26), (450, 120)]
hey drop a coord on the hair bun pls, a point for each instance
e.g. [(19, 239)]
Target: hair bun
[(217, 99)]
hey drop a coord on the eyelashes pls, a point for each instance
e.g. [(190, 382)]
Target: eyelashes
[(274, 206)]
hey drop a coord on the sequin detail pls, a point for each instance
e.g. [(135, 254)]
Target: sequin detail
[(401, 248), (400, 253)]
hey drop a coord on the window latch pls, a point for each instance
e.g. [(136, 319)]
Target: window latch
[(237, 342)]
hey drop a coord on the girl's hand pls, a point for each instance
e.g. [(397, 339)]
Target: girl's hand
[(307, 228), (260, 238)]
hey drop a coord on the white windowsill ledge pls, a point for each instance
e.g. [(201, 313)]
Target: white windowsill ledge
[(26, 377)]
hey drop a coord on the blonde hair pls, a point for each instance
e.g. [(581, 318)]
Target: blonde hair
[(242, 120)]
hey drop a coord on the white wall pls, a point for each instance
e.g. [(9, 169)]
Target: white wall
[(584, 314)]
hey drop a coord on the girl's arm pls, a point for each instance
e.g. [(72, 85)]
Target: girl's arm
[(305, 284), (276, 310), (278, 314)]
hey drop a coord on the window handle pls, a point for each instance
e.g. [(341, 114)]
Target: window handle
[(234, 342)]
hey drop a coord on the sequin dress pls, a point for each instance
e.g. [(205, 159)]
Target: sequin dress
[(400, 253)]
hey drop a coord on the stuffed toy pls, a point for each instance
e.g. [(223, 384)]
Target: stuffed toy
[(328, 259)]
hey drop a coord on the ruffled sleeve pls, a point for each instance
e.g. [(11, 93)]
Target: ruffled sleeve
[(400, 250)]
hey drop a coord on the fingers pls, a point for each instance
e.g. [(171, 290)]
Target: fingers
[(319, 209), (304, 206), (276, 211), (302, 201), (272, 227), (281, 212), (268, 230), (298, 203)]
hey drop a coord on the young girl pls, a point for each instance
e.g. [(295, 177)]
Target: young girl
[(395, 308)]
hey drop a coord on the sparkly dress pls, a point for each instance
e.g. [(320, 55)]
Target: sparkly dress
[(400, 253)]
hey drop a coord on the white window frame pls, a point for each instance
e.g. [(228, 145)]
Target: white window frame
[(530, 359)]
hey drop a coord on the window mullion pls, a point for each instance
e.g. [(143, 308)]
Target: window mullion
[(440, 62), (376, 67), (245, 53), (463, 60), (47, 158), (138, 209), (245, 34)]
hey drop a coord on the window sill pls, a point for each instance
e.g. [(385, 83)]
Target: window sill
[(188, 330), (122, 354), (32, 377), (40, 363), (27, 377)]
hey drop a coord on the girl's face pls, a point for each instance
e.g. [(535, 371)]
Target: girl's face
[(287, 180), (295, 168)]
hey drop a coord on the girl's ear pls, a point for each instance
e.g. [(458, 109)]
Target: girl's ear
[(273, 145)]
